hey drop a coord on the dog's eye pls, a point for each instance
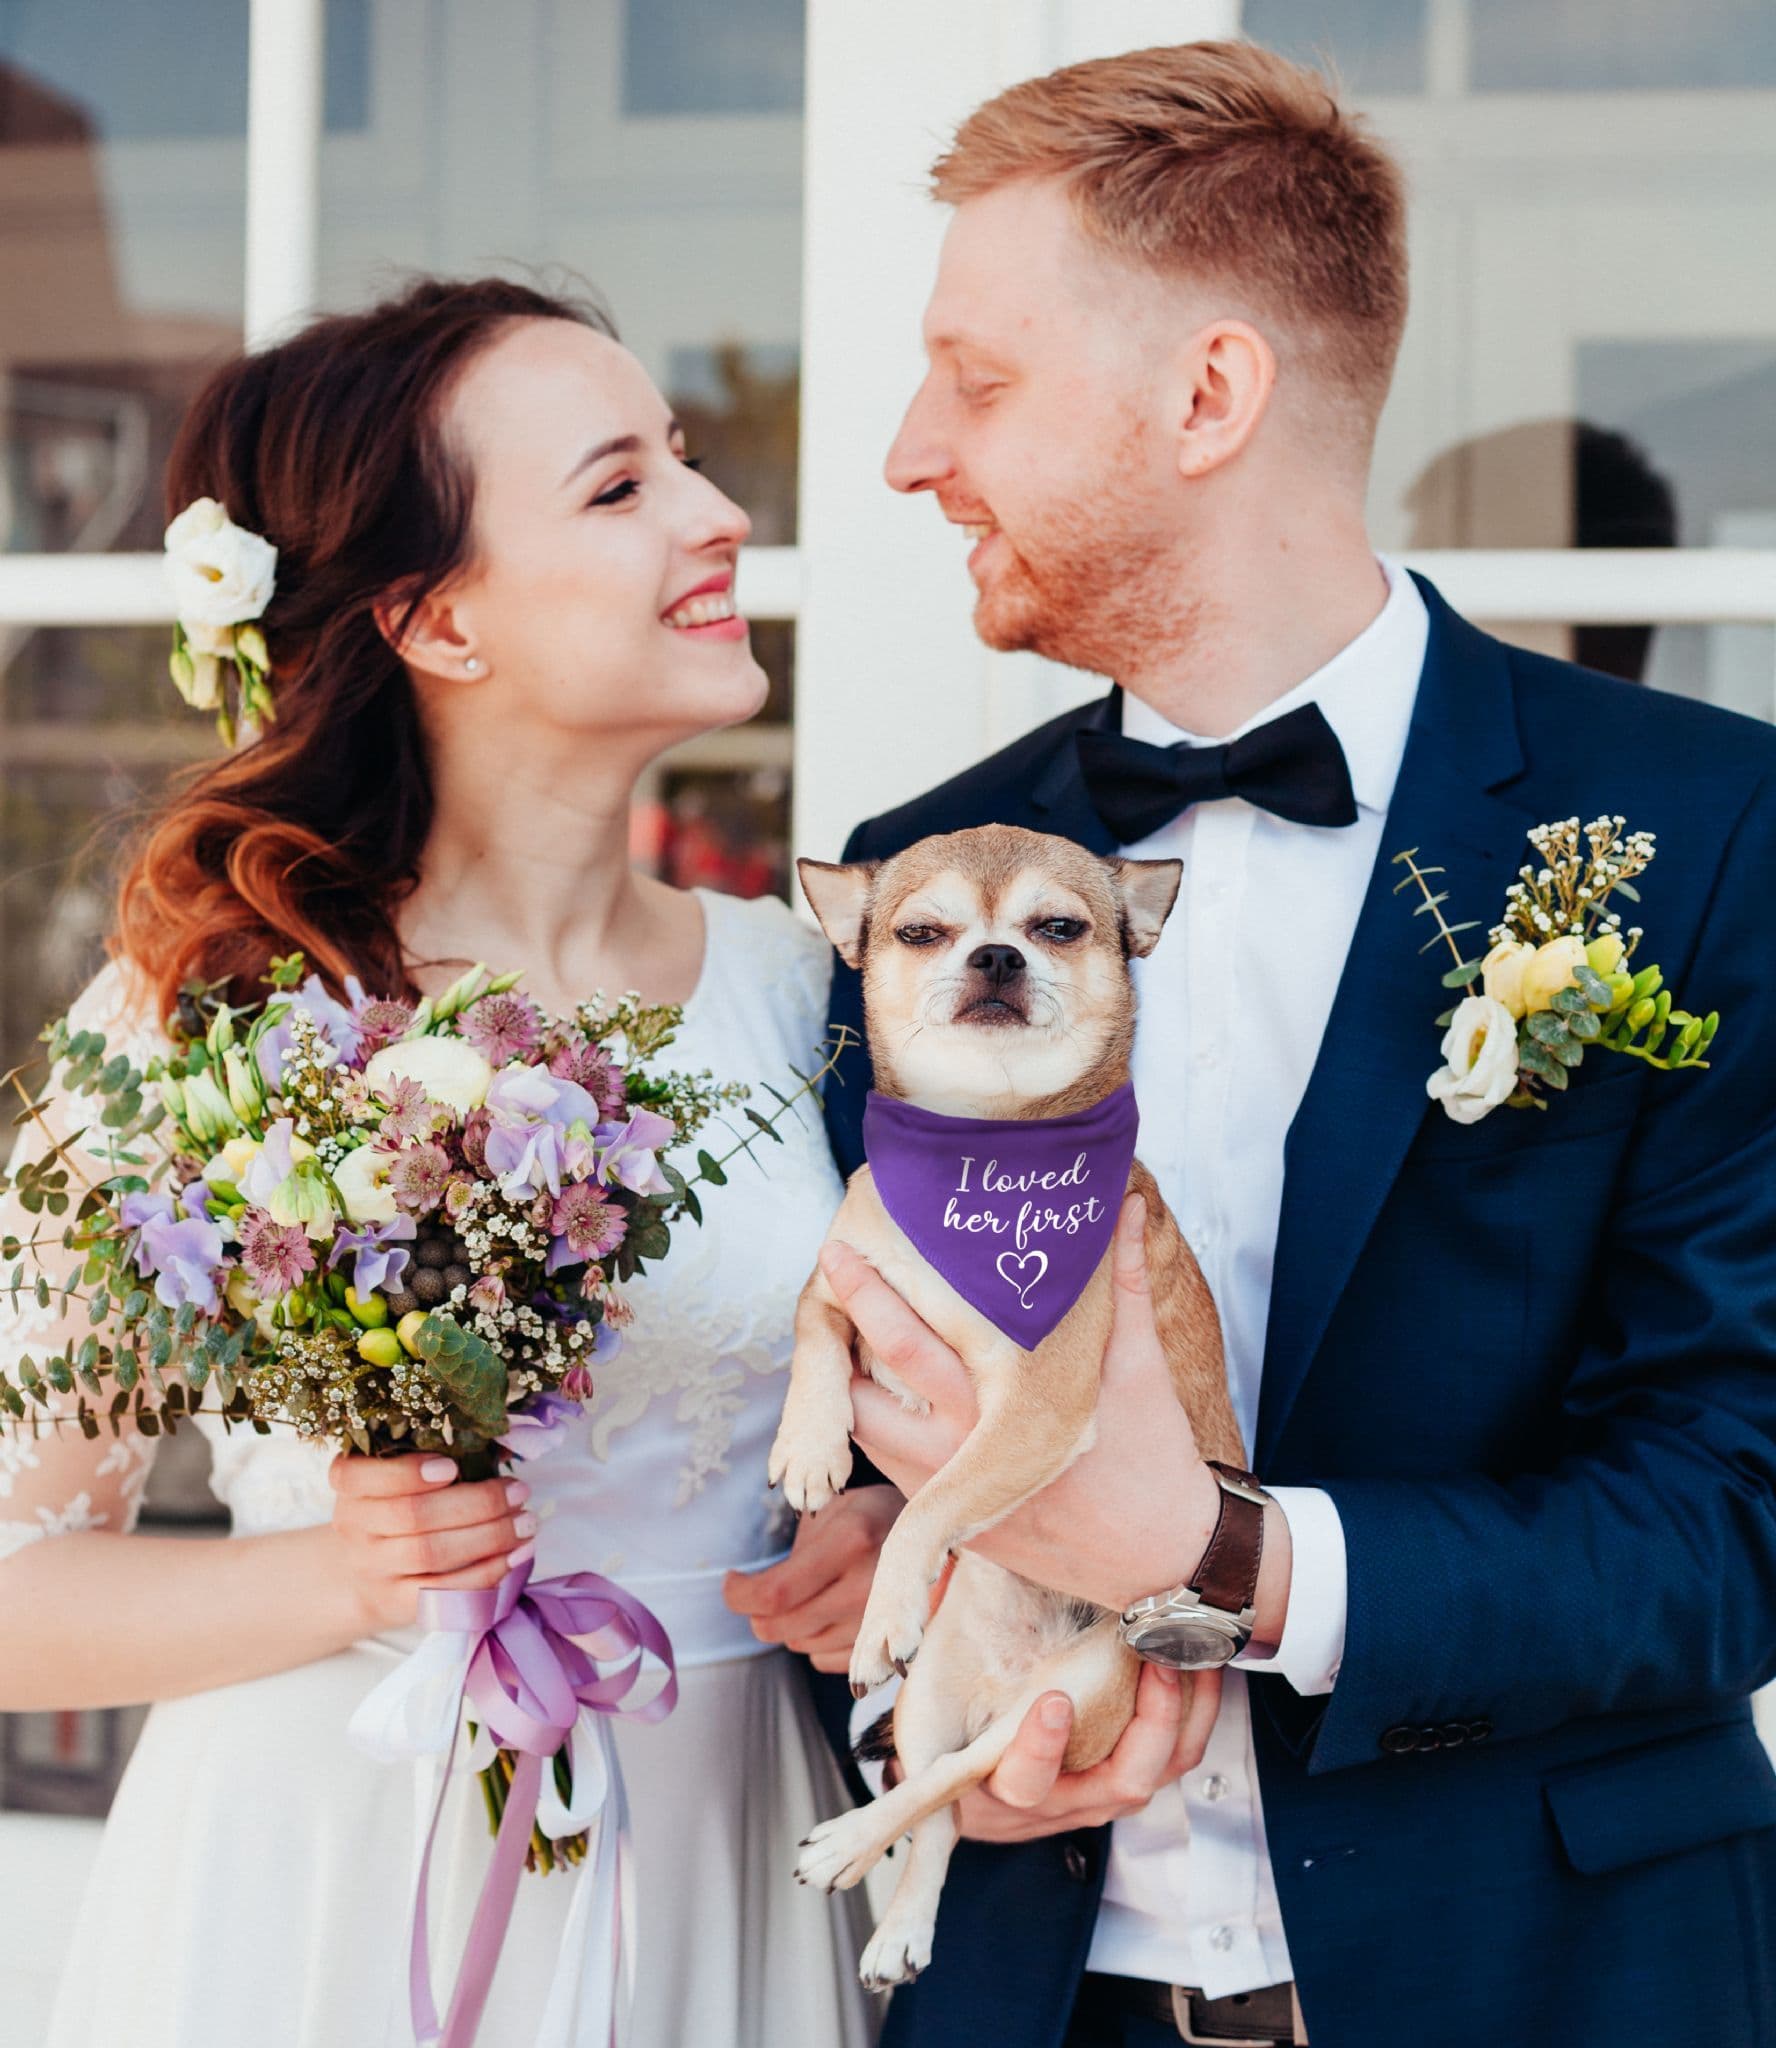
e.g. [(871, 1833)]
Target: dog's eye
[(1061, 929), (919, 934)]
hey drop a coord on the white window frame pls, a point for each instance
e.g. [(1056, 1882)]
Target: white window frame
[(893, 690)]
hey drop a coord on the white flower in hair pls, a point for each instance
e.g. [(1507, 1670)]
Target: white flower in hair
[(221, 574), (222, 577)]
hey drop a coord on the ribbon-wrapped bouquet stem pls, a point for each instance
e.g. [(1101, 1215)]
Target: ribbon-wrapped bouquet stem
[(393, 1227)]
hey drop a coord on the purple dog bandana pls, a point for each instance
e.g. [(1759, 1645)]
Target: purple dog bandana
[(1014, 1215)]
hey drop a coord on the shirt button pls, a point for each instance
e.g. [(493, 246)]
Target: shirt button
[(1215, 1787), (1221, 1939)]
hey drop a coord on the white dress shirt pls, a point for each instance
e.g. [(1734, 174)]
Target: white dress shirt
[(1233, 1005)]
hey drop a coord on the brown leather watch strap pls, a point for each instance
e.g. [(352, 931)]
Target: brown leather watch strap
[(1227, 1577)]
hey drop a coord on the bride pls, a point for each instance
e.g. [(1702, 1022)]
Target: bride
[(502, 591)]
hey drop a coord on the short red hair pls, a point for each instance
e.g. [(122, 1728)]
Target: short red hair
[(1217, 160)]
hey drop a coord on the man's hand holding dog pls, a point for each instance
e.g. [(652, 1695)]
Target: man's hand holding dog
[(1130, 1517)]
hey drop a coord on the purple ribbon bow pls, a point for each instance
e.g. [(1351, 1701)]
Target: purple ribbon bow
[(545, 1651)]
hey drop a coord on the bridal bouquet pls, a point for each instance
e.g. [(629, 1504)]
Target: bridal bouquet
[(392, 1227)]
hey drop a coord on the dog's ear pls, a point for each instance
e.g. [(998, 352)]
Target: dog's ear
[(840, 896), (1146, 889)]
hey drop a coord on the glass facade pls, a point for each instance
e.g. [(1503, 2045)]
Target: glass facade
[(1591, 355), (649, 148)]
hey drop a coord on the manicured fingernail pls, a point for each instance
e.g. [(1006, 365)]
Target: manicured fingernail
[(522, 1555), (436, 1470), (524, 1525), (1057, 1712), (517, 1493)]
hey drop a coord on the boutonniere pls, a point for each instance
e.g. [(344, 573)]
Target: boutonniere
[(1558, 979)]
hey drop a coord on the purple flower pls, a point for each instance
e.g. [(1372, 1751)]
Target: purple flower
[(274, 1255), (182, 1255), (628, 1152), (338, 1024), (503, 1028), (531, 1141), (539, 1426), (585, 1226), (271, 1165), (591, 1068), (380, 1260), (419, 1177)]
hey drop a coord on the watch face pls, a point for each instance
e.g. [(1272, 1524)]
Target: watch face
[(1187, 1642)]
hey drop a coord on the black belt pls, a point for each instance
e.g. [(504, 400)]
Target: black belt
[(1252, 2019)]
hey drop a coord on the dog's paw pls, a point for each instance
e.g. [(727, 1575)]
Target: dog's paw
[(898, 1950), (811, 1466), (840, 1851), (889, 1636)]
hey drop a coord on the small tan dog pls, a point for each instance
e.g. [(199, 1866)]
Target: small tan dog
[(996, 985)]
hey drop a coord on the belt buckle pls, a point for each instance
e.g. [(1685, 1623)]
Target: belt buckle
[(1181, 1996), (1182, 2020)]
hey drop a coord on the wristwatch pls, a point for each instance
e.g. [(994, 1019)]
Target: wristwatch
[(1209, 1619)]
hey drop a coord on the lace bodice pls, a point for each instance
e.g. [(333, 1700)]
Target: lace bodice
[(664, 1486)]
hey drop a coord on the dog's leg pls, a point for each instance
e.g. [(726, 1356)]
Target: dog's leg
[(840, 1852), (1032, 1426), (811, 1457)]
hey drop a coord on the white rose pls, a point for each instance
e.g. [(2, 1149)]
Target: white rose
[(361, 1179), (220, 574), (450, 1071), (1480, 1051)]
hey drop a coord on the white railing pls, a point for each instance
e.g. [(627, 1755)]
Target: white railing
[(1554, 586)]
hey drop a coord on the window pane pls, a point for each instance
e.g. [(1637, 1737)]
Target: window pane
[(1622, 45), (120, 257), (1379, 45), (651, 150), (712, 56), (1590, 359)]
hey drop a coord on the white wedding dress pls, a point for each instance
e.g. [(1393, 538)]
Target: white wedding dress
[(253, 1881)]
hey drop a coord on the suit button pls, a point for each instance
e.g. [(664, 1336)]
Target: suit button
[(1478, 1731), (1400, 1741), (1076, 1863), (1453, 1734), (1429, 1739)]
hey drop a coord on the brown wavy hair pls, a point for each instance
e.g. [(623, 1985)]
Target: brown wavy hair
[(332, 445)]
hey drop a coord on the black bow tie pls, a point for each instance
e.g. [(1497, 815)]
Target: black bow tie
[(1293, 766)]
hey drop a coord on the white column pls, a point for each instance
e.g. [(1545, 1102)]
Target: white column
[(285, 79), (894, 692)]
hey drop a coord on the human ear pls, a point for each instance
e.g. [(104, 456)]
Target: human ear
[(1225, 374), (434, 637)]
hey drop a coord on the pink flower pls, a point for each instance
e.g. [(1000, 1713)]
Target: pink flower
[(503, 1028), (576, 1383), (381, 1023), (585, 1226), (411, 1113), (275, 1255), (593, 1069), (488, 1294), (419, 1177)]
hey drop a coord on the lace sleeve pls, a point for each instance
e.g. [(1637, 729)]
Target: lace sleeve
[(58, 1481)]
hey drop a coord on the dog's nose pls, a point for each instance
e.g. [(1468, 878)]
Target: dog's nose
[(999, 964)]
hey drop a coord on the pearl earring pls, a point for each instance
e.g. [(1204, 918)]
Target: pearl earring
[(472, 666)]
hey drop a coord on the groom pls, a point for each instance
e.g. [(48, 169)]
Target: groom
[(1486, 1771)]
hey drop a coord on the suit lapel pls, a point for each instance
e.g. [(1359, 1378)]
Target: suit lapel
[(1366, 1097), (1058, 796)]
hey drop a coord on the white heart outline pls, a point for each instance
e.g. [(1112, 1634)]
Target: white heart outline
[(1021, 1259)]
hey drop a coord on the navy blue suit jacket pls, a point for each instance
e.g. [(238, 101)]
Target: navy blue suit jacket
[(1533, 1361)]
